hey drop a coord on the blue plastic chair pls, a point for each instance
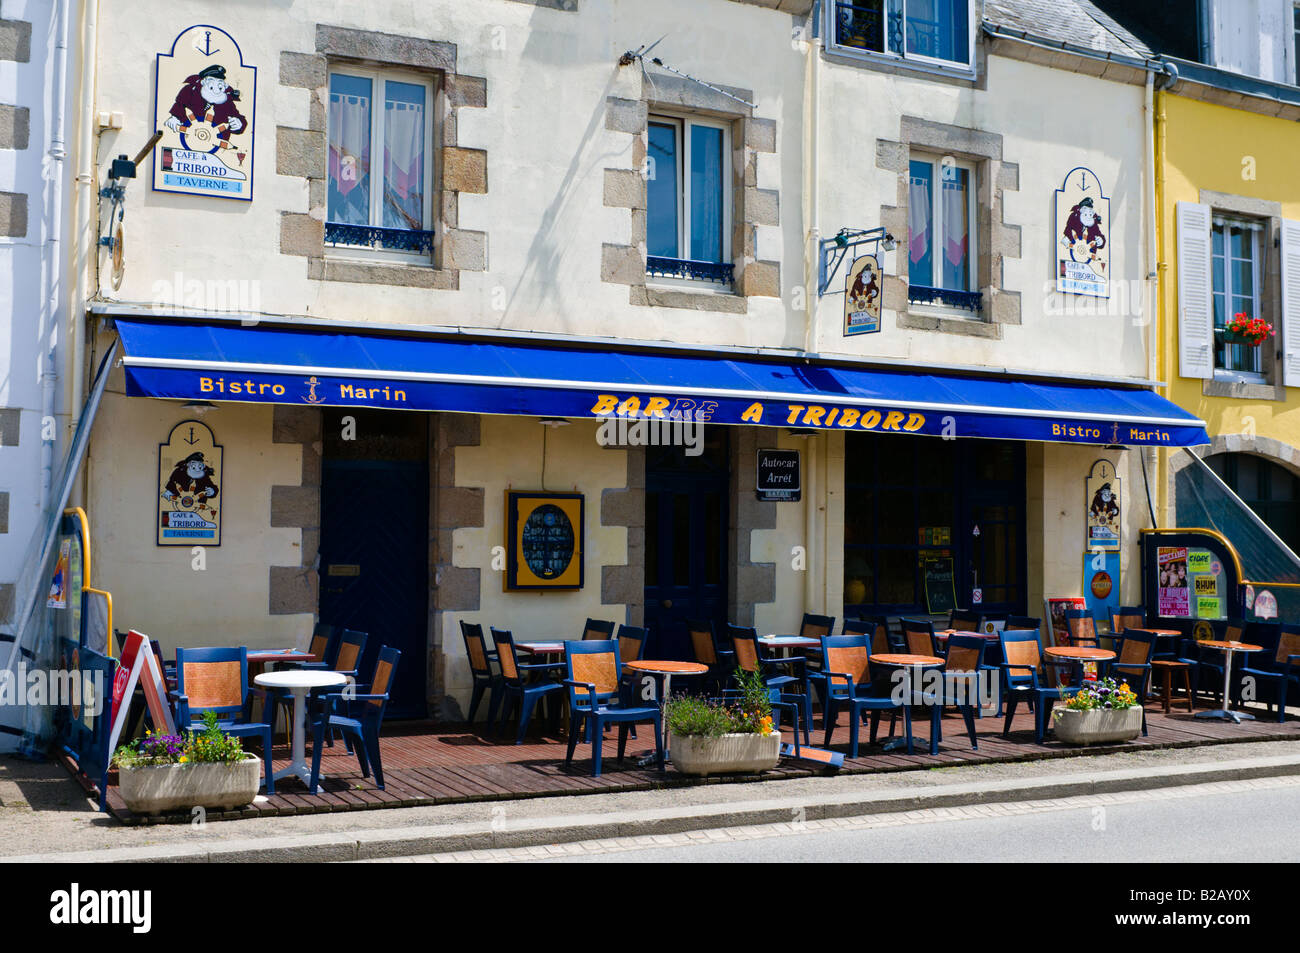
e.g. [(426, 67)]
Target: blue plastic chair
[(517, 689), (778, 673), (598, 629), (918, 637), (480, 669), (600, 696), (216, 680), (959, 688), (358, 718), (1023, 652), (1281, 670), (342, 656), (704, 641), (1132, 664), (631, 643), (846, 672)]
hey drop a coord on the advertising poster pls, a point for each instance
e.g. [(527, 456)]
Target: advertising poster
[(57, 598), (1101, 584), (1056, 609), (1174, 589), (1082, 227)]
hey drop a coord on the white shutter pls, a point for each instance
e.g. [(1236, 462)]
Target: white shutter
[(1290, 303), (1195, 307)]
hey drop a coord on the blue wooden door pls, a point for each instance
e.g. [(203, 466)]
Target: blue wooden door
[(374, 548), (686, 567)]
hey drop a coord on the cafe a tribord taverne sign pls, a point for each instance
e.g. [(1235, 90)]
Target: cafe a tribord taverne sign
[(204, 97)]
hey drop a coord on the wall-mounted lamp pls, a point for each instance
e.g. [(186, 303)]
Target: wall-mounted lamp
[(199, 407)]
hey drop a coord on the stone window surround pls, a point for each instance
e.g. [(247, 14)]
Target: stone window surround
[(998, 240), (752, 207), (1270, 294), (302, 153)]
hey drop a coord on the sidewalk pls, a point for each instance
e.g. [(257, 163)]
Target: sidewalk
[(45, 816)]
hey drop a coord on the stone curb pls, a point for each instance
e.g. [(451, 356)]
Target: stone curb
[(526, 832)]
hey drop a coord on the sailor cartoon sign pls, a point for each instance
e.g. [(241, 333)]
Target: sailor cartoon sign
[(1082, 236), (203, 103), (863, 290), (1103, 500), (189, 487)]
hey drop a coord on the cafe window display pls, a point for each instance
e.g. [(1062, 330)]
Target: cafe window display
[(909, 499)]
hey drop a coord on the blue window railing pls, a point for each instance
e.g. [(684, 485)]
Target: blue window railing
[(370, 236), (968, 300), (719, 272)]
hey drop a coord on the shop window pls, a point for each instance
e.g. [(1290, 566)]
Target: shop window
[(380, 194), (941, 241), (688, 200), (933, 33), (907, 498), (1271, 491), (1235, 272)]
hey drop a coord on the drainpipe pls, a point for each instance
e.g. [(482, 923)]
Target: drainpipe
[(1165, 324), (812, 155), (86, 256), (49, 333), (812, 547), (1151, 455)]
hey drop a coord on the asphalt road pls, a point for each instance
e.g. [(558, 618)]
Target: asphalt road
[(1173, 825)]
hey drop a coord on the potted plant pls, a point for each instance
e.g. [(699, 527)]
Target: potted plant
[(1102, 711), (1246, 330), (170, 772), (728, 735)]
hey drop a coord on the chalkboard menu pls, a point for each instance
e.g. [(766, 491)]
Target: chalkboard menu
[(778, 476), (940, 596)]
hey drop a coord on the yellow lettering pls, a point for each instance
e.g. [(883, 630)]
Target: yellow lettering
[(345, 390), (277, 390), (814, 416), (850, 417), (604, 404), (914, 423), (870, 419), (205, 384), (235, 387), (399, 395), (754, 414), (893, 419), (629, 407), (794, 413), (830, 418), (655, 406)]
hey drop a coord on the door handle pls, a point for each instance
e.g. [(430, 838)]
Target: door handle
[(666, 603)]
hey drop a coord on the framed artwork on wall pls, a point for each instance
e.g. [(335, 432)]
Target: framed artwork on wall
[(545, 535)]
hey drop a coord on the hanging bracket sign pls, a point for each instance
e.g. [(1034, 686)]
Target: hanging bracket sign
[(778, 476), (863, 289)]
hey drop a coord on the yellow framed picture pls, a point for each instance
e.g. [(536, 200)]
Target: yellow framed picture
[(544, 540)]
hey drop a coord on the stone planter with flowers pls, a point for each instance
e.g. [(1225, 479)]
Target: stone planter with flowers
[(732, 734)]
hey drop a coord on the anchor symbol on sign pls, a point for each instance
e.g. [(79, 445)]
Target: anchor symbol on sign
[(191, 439), (207, 49), (311, 398), (1114, 432)]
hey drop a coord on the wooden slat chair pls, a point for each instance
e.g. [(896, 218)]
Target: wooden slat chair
[(1126, 616), (216, 680), (964, 620), (1081, 628), (517, 689), (1279, 669), (814, 627), (961, 668), (1132, 664), (598, 629), (879, 641), (631, 643), (348, 647), (480, 670), (600, 696), (1020, 675), (778, 673), (704, 642), (847, 678), (358, 718), (918, 637)]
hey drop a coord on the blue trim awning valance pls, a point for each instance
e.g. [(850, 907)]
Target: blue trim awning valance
[(220, 362)]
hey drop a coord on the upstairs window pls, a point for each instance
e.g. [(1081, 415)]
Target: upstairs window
[(941, 233), (380, 163), (688, 200), (1235, 278), (928, 32)]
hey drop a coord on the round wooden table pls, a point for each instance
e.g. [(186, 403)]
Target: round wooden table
[(907, 662), (1228, 648), (1079, 655), (667, 669)]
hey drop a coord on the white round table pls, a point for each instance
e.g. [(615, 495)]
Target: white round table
[(299, 684)]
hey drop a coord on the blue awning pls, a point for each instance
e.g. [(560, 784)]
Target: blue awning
[(228, 362)]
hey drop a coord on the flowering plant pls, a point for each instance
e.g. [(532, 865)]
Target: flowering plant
[(746, 710), (1253, 329), (211, 746), (1102, 694)]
